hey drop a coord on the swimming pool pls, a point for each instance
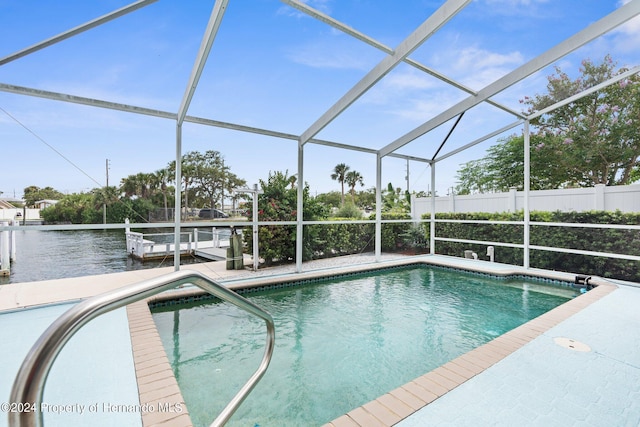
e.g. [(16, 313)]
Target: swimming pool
[(340, 343)]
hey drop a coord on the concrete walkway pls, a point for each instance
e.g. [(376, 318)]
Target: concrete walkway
[(540, 384), (595, 383), (93, 369)]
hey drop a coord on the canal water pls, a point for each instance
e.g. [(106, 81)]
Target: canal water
[(45, 255)]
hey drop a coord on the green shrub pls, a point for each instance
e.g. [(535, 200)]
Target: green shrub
[(415, 237), (580, 238), (391, 233), (349, 210)]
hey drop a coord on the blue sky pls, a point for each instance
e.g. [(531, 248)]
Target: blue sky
[(271, 67)]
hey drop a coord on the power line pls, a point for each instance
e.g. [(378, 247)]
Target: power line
[(50, 146), (68, 160)]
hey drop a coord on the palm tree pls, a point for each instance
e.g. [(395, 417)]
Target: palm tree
[(292, 180), (353, 178), (162, 177), (105, 196), (339, 174), (140, 185)]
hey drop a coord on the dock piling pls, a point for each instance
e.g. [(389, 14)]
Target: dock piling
[(5, 251)]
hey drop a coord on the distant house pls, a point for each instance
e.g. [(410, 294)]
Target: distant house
[(6, 205), (41, 204)]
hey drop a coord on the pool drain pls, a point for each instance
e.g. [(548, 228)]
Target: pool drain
[(572, 344)]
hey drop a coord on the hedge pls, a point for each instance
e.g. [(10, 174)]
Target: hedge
[(277, 243), (580, 238)]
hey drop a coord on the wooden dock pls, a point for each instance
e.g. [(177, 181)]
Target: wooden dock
[(144, 247), (218, 254)]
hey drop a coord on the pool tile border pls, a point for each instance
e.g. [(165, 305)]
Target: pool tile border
[(398, 404), (157, 385), (193, 295), (386, 410)]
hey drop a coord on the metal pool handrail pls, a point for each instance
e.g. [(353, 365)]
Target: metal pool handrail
[(28, 387)]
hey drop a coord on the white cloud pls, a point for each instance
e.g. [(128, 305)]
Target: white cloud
[(515, 3), (336, 60), (411, 79), (473, 57), (401, 84), (425, 105), (476, 67), (529, 8), (331, 53), (323, 6), (626, 38), (420, 110)]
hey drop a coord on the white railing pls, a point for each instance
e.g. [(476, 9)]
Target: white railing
[(7, 247), (217, 237), (141, 245), (135, 244), (526, 246)]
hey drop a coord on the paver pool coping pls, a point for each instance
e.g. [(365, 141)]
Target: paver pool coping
[(157, 383)]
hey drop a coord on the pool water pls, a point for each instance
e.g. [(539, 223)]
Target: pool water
[(342, 343)]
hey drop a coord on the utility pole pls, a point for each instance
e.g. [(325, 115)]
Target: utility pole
[(222, 197), (406, 177), (104, 202)]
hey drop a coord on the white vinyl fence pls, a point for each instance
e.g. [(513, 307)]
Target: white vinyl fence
[(625, 198), (18, 213)]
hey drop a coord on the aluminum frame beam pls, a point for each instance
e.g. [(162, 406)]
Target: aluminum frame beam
[(92, 102), (203, 53), (77, 30), (600, 27), (446, 138), (415, 39), (201, 60), (479, 140), (629, 73), (305, 8)]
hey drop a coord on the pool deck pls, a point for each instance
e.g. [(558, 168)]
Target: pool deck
[(578, 364)]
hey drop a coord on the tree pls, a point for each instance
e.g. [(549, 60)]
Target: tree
[(205, 178), (187, 175), (394, 202), (330, 199), (32, 194), (353, 178), (162, 177), (366, 199), (104, 197), (86, 208), (503, 168), (292, 180), (339, 174), (595, 139), (73, 208), (140, 185), (278, 202)]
